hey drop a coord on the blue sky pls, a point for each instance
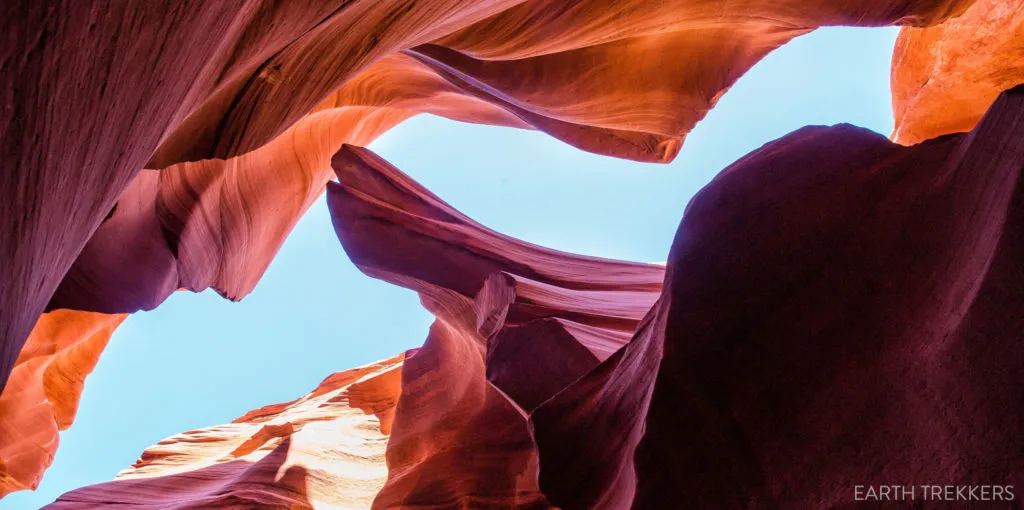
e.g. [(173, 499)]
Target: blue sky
[(200, 360)]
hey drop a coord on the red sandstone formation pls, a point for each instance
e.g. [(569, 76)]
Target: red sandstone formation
[(214, 223), (45, 385), (944, 77), (888, 325), (528, 319), (222, 79), (94, 90), (208, 224), (235, 107), (837, 310), (324, 449), (853, 327)]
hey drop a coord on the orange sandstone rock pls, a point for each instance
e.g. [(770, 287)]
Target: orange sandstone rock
[(631, 88), (944, 77), (234, 107), (42, 396), (213, 223), (223, 79), (218, 223), (856, 327), (325, 449)]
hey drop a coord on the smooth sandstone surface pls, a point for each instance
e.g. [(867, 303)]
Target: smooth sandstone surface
[(204, 224), (79, 120), (945, 77), (46, 384), (245, 102), (323, 450), (223, 79), (896, 342), (513, 319), (837, 310)]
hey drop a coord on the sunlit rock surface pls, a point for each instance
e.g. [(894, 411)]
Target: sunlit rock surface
[(180, 153), (43, 394), (323, 450), (944, 77), (87, 111), (883, 330), (217, 223)]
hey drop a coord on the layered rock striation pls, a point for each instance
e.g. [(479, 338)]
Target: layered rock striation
[(160, 85), (516, 323), (556, 380), (859, 296), (325, 449), (46, 384)]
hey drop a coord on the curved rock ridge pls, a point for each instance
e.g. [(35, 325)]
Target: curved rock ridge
[(516, 323), (323, 450), (95, 89), (618, 39), (944, 77), (79, 120), (235, 106), (218, 223), (838, 310), (46, 384), (158, 84), (214, 223), (883, 330), (577, 94)]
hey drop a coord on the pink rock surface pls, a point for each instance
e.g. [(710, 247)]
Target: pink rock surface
[(224, 79), (883, 331), (72, 133), (93, 90), (233, 108), (458, 442)]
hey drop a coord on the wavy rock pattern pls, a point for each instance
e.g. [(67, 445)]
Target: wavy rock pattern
[(72, 133), (219, 78), (217, 223), (325, 449), (501, 305), (733, 289), (945, 77), (46, 384), (214, 223), (240, 73), (892, 328), (235, 106)]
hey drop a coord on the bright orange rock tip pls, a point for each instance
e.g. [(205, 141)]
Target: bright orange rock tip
[(945, 77), (42, 395)]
